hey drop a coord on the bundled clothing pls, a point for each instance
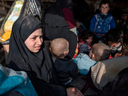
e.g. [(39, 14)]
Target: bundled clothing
[(84, 47), (66, 69), (100, 24), (56, 25), (84, 63), (15, 83), (38, 66)]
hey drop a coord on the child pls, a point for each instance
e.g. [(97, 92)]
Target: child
[(102, 21), (124, 20), (80, 28), (66, 69), (85, 43), (123, 52), (98, 52), (113, 38), (123, 24)]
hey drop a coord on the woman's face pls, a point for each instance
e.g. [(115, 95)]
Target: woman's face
[(34, 41)]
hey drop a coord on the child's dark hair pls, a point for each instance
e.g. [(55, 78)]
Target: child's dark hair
[(114, 35), (104, 2), (86, 34)]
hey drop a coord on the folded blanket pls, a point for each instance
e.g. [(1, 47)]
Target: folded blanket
[(15, 80)]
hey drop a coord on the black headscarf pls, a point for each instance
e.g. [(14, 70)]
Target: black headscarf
[(57, 27), (20, 58)]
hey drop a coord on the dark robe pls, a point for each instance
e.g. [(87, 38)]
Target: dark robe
[(37, 65), (57, 27), (118, 87)]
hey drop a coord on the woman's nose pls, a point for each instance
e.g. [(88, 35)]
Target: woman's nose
[(40, 41)]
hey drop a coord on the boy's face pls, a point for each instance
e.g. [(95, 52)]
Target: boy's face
[(104, 8), (113, 44)]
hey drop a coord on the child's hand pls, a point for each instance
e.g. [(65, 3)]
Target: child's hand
[(73, 92), (77, 24)]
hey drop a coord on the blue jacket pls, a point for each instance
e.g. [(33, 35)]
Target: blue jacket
[(101, 26)]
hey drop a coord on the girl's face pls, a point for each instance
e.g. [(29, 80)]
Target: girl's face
[(104, 9), (89, 40), (34, 41)]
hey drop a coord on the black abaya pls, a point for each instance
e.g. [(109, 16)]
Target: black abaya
[(57, 27), (37, 65)]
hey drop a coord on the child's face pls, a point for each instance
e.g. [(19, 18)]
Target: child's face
[(89, 40), (124, 17), (112, 44), (34, 41), (118, 54), (77, 24), (104, 9), (91, 55)]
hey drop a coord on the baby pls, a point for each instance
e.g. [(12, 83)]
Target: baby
[(66, 69)]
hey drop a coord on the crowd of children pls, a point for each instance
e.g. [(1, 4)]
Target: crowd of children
[(52, 68)]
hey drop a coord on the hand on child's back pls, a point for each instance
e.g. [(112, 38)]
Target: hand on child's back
[(73, 92)]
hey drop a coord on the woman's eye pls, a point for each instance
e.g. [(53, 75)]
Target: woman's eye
[(41, 36), (34, 38)]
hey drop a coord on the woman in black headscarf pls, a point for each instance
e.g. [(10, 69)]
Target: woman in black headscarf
[(57, 27), (28, 53)]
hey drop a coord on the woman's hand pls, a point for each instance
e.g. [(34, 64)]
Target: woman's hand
[(73, 92)]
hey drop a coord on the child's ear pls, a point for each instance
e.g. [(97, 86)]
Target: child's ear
[(65, 53), (93, 56), (50, 49)]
